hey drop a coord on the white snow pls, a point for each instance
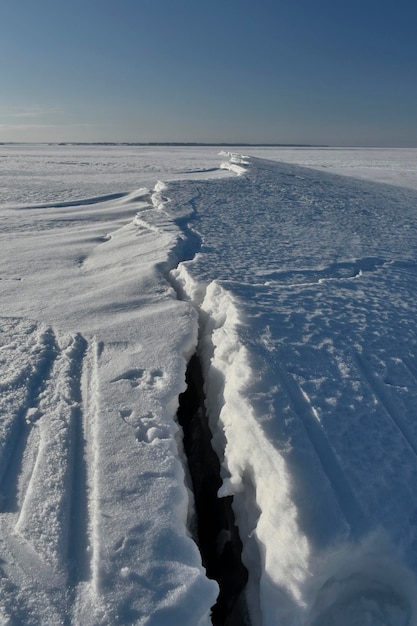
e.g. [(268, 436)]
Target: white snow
[(394, 166), (297, 286)]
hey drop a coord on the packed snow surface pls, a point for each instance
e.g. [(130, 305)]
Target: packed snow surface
[(395, 166), (297, 288)]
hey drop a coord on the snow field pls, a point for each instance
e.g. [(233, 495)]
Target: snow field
[(323, 540), (96, 507), (297, 290), (394, 166)]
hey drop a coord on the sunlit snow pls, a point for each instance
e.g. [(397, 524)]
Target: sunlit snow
[(296, 286)]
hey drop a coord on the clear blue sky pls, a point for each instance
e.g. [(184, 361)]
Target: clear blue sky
[(291, 71)]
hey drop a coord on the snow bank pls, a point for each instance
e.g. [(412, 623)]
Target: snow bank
[(250, 467)]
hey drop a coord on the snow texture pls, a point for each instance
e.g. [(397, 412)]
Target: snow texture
[(296, 286)]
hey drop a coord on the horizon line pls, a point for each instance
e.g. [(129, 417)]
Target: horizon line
[(221, 144), (164, 143)]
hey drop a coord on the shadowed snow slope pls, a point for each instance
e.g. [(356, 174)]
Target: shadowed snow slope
[(298, 287)]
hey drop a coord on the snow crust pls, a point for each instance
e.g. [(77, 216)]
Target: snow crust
[(297, 288)]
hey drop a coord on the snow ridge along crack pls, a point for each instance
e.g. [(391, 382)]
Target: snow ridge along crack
[(217, 534)]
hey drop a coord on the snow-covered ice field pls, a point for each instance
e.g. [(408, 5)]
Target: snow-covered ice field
[(396, 166), (296, 287)]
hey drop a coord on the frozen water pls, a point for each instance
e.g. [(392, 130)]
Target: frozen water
[(297, 287), (395, 166)]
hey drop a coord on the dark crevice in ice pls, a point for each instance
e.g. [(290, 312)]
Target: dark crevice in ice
[(214, 527), (218, 536)]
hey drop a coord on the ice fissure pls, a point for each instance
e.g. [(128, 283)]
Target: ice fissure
[(213, 528), (217, 534)]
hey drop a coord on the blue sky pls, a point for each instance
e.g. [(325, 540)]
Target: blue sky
[(306, 71)]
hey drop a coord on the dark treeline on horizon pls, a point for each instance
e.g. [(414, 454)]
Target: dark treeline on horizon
[(165, 143)]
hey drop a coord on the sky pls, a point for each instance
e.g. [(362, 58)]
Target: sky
[(266, 71)]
